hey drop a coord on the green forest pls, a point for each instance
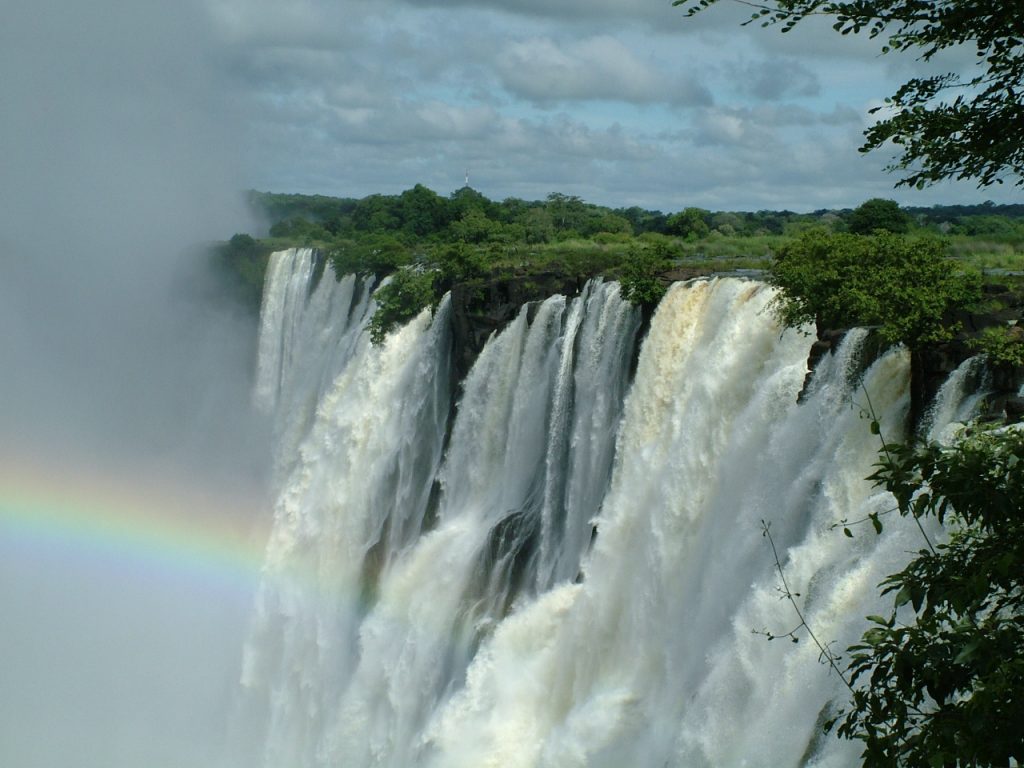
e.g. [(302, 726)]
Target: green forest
[(465, 234)]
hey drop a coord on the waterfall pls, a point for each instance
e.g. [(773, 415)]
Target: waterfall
[(957, 400), (570, 570), (309, 331)]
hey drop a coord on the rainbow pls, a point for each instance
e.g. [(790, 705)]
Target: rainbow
[(141, 515)]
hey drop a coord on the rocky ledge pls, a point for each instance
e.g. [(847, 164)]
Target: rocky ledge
[(932, 365), (480, 308)]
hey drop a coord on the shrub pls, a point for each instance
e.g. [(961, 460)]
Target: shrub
[(640, 276), (1002, 345), (905, 287), (403, 297)]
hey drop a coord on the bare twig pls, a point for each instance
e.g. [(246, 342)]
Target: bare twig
[(826, 655)]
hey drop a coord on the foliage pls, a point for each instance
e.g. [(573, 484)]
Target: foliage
[(878, 214), (467, 236), (946, 126), (640, 275), (242, 262), (469, 216), (319, 209), (374, 254), (938, 682), (1002, 345), (538, 225), (404, 296), (904, 286), (689, 222), (475, 227), (422, 211), (300, 230), (460, 263)]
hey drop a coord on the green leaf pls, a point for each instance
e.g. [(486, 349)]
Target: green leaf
[(967, 652), (903, 596)]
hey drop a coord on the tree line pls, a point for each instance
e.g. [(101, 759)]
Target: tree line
[(468, 216)]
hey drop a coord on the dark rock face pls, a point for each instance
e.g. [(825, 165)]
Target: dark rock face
[(1014, 408), (482, 308), (828, 340)]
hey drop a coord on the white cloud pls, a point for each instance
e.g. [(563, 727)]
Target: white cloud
[(597, 68), (614, 100), (452, 122)]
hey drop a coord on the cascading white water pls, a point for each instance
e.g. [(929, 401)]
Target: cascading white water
[(309, 331), (420, 612), (957, 400)]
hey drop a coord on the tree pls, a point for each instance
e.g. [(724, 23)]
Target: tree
[(689, 221), (640, 276), (567, 211), (372, 254), (398, 301), (945, 668), (613, 223), (947, 126), (459, 263), (474, 227), (376, 213), (422, 211), (907, 288), (878, 214), (540, 227), (242, 262), (467, 199)]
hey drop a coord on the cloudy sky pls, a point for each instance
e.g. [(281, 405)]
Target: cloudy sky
[(619, 101)]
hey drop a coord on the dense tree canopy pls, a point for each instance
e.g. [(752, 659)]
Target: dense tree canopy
[(906, 288), (878, 214), (949, 125), (689, 222)]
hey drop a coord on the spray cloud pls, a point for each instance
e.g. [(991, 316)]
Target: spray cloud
[(120, 389)]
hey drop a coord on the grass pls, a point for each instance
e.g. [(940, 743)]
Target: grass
[(984, 254)]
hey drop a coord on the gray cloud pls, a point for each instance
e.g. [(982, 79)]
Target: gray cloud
[(775, 79), (545, 71), (580, 11), (355, 97)]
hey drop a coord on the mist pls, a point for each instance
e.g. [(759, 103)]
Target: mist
[(123, 387)]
